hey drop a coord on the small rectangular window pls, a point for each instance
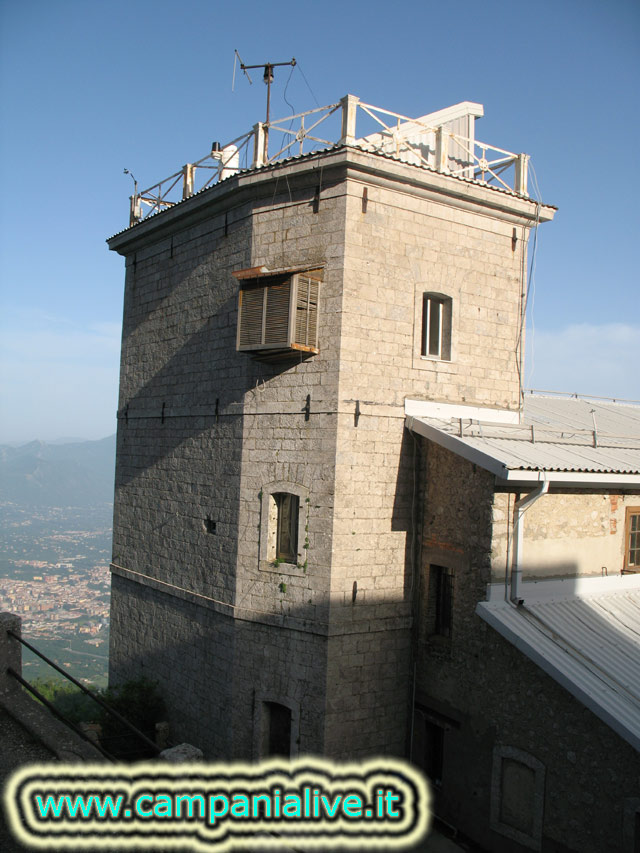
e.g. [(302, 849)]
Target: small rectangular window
[(632, 540), (287, 511), (440, 599), (429, 741), (436, 326), (276, 730)]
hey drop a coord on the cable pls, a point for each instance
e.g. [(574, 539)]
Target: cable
[(530, 288), (531, 285), (284, 96), (308, 86)]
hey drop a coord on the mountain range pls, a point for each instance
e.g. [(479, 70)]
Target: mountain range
[(46, 474)]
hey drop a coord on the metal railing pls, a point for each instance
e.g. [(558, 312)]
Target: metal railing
[(109, 710), (439, 149)]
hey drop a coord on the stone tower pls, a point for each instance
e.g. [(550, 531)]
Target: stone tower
[(274, 324)]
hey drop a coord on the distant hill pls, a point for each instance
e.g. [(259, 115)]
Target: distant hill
[(75, 474)]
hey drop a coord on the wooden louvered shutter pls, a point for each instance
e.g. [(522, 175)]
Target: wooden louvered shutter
[(276, 325), (306, 316), (251, 315), (278, 313)]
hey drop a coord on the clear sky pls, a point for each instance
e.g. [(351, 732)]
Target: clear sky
[(89, 87)]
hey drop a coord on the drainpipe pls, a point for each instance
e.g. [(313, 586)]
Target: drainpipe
[(521, 507)]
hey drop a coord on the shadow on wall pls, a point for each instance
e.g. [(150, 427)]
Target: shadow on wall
[(406, 504), (215, 672)]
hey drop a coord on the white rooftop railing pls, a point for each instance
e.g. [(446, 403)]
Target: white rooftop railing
[(433, 146)]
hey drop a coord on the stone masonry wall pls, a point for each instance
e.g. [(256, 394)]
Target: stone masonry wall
[(178, 463), (490, 699), (404, 245), (400, 244), (205, 431), (281, 442), (566, 533)]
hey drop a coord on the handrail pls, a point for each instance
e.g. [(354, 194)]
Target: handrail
[(84, 689), (433, 152), (52, 708)]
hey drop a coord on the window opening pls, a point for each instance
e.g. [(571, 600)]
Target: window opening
[(278, 314), (517, 796), (517, 792), (436, 326), (287, 511), (441, 592), (632, 540), (277, 730), (428, 746)]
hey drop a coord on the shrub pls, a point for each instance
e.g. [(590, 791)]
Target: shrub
[(141, 704)]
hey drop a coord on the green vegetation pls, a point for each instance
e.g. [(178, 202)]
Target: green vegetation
[(139, 702), (69, 700)]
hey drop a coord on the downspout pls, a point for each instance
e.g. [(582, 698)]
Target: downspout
[(520, 508)]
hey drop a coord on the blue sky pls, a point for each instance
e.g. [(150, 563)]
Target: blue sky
[(89, 88)]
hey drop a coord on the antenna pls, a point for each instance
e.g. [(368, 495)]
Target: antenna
[(134, 213), (268, 79), (133, 178), (237, 59)]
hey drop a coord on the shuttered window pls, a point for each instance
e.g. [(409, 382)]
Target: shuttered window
[(307, 312), (632, 540), (279, 313)]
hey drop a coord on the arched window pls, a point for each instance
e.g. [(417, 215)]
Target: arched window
[(283, 526), (276, 730), (286, 509)]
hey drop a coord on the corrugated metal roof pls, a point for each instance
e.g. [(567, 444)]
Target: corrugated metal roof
[(611, 416), (589, 643), (555, 435)]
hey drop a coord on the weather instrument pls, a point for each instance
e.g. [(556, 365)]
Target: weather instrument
[(268, 79)]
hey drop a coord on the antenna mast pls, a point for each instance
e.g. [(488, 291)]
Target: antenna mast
[(268, 79)]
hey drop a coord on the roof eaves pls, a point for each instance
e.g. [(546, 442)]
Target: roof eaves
[(462, 178), (310, 154), (512, 473), (599, 690), (454, 444)]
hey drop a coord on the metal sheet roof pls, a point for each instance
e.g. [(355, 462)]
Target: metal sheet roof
[(589, 643), (613, 417), (563, 436)]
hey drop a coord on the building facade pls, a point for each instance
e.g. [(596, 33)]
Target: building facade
[(265, 539), (337, 528), (527, 700)]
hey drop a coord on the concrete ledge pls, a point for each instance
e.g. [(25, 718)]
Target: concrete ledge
[(39, 724), (371, 618)]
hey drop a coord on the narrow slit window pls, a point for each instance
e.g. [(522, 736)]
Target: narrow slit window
[(440, 606), (436, 326)]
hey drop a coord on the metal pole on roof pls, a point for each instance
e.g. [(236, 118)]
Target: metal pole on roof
[(268, 79)]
